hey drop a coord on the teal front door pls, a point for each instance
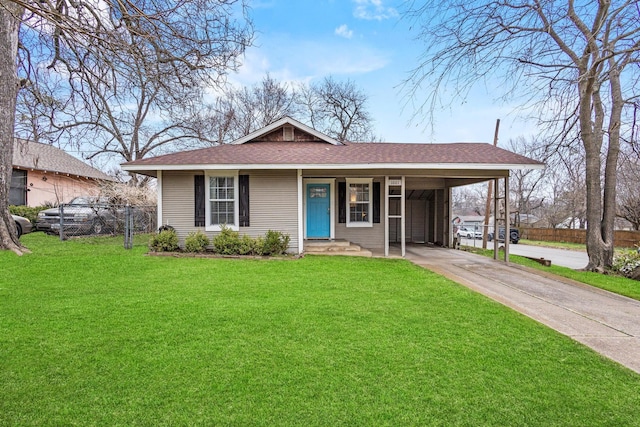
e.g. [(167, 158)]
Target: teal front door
[(318, 211)]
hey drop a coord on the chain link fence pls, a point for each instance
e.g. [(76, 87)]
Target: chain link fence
[(97, 218)]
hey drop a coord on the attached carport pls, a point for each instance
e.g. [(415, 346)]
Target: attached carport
[(418, 206)]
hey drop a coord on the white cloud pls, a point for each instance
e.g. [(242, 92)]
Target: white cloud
[(373, 10), (291, 59), (344, 31)]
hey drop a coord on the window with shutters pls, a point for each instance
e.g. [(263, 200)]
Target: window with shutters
[(358, 202), (222, 201)]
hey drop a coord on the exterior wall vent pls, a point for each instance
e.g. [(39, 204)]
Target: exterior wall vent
[(287, 133)]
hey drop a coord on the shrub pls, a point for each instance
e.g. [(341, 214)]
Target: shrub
[(164, 241), (626, 262), (30, 213), (258, 245), (247, 245), (196, 242), (275, 243), (227, 242)]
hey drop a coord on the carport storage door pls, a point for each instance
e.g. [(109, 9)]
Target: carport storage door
[(318, 211)]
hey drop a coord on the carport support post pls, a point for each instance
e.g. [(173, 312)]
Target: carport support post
[(507, 219), (403, 212), (386, 216), (496, 223), (496, 212)]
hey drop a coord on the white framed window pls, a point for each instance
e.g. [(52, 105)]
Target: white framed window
[(359, 202), (222, 200)]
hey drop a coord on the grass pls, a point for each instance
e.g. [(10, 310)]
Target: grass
[(558, 245), (613, 283), (91, 334)]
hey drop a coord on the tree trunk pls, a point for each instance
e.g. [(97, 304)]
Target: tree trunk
[(592, 141), (611, 165), (10, 15)]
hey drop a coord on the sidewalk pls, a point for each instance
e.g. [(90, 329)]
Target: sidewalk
[(606, 322)]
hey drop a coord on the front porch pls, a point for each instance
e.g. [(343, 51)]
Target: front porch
[(369, 213), (347, 248)]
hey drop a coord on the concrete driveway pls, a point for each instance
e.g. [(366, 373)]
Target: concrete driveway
[(562, 257), (606, 322)]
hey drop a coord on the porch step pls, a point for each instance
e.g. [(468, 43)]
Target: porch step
[(335, 247)]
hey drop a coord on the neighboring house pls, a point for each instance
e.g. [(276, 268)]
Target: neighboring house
[(291, 178), (472, 222), (43, 174)]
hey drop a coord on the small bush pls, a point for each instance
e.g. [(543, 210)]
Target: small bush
[(164, 241), (30, 213), (626, 262), (258, 245), (227, 242), (247, 245), (196, 242), (275, 243)]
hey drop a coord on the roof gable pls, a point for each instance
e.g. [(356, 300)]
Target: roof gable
[(286, 130)]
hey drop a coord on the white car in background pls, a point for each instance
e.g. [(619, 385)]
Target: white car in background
[(468, 233)]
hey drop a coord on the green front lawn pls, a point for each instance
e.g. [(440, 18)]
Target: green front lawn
[(91, 334), (560, 245)]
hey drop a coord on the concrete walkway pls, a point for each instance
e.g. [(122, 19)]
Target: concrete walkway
[(606, 322)]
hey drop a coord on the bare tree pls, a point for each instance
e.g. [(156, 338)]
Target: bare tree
[(576, 60), (338, 109), (335, 108), (469, 199), (525, 184), (628, 191), (92, 46)]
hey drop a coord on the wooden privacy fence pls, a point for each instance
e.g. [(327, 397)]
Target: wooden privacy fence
[(622, 238)]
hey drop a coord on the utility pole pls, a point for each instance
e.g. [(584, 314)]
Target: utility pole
[(487, 210)]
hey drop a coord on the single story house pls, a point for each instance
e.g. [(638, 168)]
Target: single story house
[(43, 174), (291, 178), (473, 222)]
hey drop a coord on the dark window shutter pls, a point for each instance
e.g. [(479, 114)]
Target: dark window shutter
[(199, 208), (376, 202), (243, 189), (342, 202)]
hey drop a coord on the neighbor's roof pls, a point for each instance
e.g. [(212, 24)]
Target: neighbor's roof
[(45, 157)]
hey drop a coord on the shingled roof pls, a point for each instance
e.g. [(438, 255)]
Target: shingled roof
[(44, 157), (268, 150), (317, 154)]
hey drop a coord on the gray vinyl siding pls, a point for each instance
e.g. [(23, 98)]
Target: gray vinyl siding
[(178, 202), (416, 222), (273, 204), (440, 236), (367, 237)]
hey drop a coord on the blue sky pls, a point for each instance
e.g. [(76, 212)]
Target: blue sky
[(368, 42)]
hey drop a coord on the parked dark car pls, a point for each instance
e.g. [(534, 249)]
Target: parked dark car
[(514, 235), (23, 225), (83, 215)]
